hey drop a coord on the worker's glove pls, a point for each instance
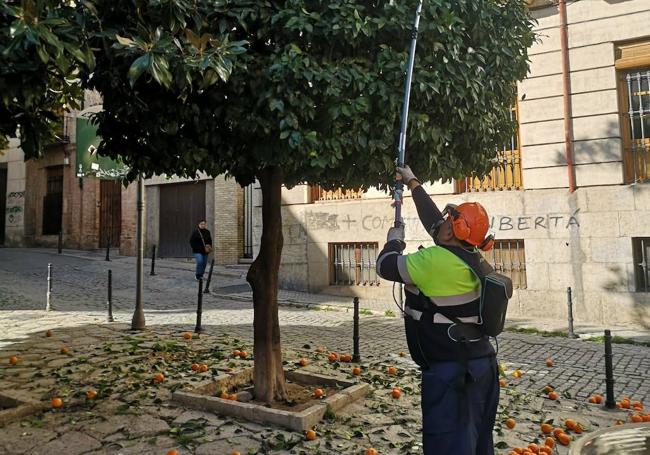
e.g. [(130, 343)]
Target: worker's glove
[(397, 233), (407, 174)]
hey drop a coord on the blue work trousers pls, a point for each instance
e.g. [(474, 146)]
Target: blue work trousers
[(459, 419), (201, 262)]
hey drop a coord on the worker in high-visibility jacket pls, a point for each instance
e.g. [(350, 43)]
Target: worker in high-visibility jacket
[(460, 387)]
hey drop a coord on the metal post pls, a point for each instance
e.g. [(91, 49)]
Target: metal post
[(110, 297), (108, 248), (48, 301), (355, 332), (571, 334), (60, 242), (199, 308), (153, 261), (138, 322), (610, 403), (207, 283)]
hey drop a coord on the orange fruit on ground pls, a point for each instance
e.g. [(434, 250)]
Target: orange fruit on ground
[(599, 398), (578, 429), (625, 404), (518, 450), (64, 350), (224, 395), (310, 435), (637, 405), (548, 389), (510, 423), (243, 355), (392, 370), (187, 335), (233, 397), (172, 452), (549, 363), (48, 333), (516, 374), (547, 428), (636, 418), (356, 371), (396, 392), (91, 394), (303, 362), (57, 402), (557, 432), (333, 357), (549, 442), (553, 395), (320, 349), (503, 382), (592, 400), (235, 453), (319, 393), (196, 367), (570, 424), (158, 377), (236, 353), (13, 360), (545, 450), (346, 358), (646, 418), (203, 368), (371, 451), (533, 448), (564, 439)]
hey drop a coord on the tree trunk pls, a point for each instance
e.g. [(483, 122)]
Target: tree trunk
[(263, 277)]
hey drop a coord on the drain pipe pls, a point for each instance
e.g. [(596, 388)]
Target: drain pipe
[(566, 93)]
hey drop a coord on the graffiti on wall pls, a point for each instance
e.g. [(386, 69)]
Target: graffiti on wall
[(14, 210), (334, 222)]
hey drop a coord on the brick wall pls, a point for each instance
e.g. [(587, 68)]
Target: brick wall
[(128, 240), (228, 231)]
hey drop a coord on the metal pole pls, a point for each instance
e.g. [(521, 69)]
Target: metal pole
[(48, 301), (138, 322), (153, 261), (571, 334), (207, 283), (110, 297), (405, 113), (610, 403), (355, 334), (199, 308), (60, 242)]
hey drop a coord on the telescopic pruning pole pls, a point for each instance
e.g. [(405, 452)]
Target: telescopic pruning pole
[(399, 186)]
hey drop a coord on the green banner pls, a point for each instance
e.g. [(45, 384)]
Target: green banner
[(88, 162)]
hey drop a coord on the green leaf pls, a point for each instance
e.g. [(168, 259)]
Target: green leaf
[(138, 67)]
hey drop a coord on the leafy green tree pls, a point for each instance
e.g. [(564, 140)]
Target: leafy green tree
[(42, 44)]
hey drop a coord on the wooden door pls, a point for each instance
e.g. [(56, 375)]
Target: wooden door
[(3, 204), (110, 213), (182, 206)]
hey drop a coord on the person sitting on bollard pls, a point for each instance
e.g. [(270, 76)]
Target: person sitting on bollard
[(443, 322), (201, 243)]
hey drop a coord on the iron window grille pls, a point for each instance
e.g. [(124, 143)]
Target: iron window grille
[(636, 125), (508, 258), (641, 252), (353, 264)]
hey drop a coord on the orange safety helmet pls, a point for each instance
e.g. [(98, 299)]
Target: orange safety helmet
[(470, 224)]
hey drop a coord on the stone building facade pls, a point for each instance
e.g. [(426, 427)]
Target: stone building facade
[(578, 221), (12, 195)]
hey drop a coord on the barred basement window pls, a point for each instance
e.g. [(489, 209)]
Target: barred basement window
[(339, 194), (508, 258), (353, 264), (641, 252), (506, 174)]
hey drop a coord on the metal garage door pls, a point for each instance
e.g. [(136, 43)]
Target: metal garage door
[(182, 205)]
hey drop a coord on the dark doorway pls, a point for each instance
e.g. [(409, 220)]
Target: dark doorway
[(182, 205), (3, 203), (110, 215), (53, 201)]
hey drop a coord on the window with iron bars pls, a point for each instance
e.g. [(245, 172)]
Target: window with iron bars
[(508, 258), (641, 252), (353, 264), (506, 173), (339, 194), (635, 124)]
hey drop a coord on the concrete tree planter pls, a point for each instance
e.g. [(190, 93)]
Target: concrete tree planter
[(13, 408), (202, 397)]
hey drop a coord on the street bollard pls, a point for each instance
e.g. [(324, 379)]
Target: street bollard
[(355, 334), (207, 283), (108, 249), (199, 308), (59, 246), (110, 297), (610, 403), (571, 334), (48, 301), (153, 261)]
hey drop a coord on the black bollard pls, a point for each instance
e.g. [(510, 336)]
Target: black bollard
[(153, 261), (48, 301), (610, 403), (355, 334), (108, 249), (569, 301), (207, 283), (110, 297), (199, 308), (60, 242)]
